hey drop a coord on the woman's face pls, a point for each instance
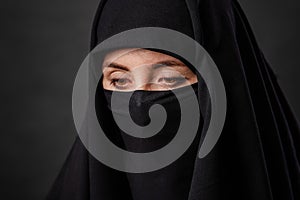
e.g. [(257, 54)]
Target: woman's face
[(140, 69)]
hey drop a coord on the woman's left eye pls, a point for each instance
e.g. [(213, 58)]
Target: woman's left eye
[(172, 80)]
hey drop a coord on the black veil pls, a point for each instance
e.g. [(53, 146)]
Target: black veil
[(257, 155)]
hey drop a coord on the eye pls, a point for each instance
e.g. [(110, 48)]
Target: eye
[(121, 83), (172, 81)]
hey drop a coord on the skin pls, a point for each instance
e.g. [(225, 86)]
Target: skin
[(140, 69)]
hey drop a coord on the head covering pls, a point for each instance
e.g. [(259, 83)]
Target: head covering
[(257, 155)]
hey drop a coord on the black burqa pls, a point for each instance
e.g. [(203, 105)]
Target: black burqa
[(257, 155)]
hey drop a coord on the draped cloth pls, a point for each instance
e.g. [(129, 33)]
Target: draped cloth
[(258, 153)]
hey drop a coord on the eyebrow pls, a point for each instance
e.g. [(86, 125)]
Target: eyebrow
[(168, 63), (117, 66)]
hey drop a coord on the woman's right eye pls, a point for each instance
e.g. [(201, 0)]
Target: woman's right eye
[(121, 83)]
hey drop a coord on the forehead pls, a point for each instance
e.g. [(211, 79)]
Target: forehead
[(135, 57)]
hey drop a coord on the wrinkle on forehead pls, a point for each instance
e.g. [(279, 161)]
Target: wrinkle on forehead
[(136, 57)]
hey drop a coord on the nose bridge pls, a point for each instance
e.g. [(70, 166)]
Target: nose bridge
[(142, 77)]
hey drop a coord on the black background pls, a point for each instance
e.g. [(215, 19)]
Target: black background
[(42, 46)]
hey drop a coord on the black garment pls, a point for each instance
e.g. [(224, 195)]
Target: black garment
[(174, 179), (258, 153)]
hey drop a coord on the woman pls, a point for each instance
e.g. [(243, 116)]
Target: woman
[(257, 155)]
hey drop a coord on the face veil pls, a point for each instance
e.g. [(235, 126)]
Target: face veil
[(257, 155)]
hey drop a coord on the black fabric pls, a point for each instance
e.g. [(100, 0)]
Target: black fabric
[(257, 155), (139, 106), (174, 179)]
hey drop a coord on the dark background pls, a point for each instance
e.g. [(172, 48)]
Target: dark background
[(42, 46)]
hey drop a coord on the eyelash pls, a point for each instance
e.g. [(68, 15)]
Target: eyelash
[(177, 81), (115, 80)]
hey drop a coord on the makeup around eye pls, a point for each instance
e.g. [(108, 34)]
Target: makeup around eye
[(146, 70), (119, 80), (123, 81)]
